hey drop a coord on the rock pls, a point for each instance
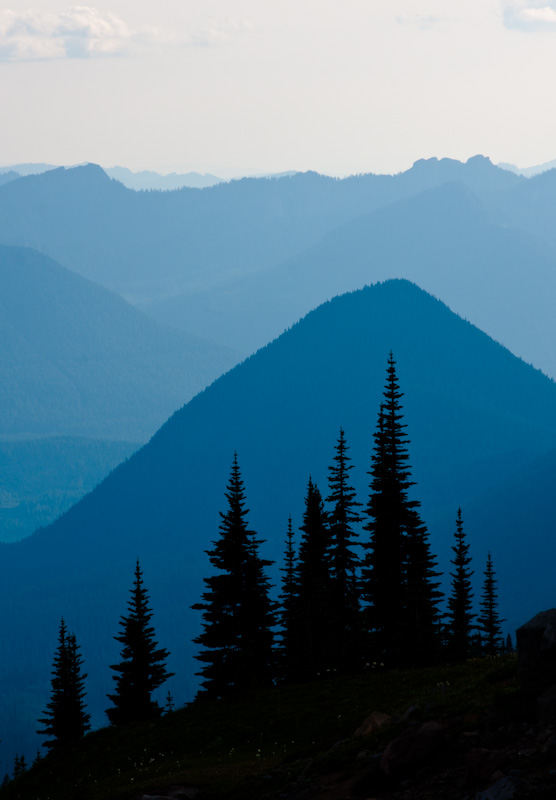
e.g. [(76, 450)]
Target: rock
[(536, 653), (482, 763), (410, 712), (546, 705), (504, 789), (373, 723), (413, 749)]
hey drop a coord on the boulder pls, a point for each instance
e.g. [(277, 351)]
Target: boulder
[(373, 723), (546, 705), (415, 748), (536, 653), (504, 789)]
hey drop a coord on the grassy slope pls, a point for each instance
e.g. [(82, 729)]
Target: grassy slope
[(265, 742)]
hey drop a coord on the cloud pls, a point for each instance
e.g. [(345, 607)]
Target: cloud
[(419, 20), (530, 15), (85, 32)]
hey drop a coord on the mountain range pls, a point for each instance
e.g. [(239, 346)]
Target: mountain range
[(151, 245), (477, 416), (446, 240), (238, 263)]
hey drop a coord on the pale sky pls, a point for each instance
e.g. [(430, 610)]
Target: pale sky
[(235, 86)]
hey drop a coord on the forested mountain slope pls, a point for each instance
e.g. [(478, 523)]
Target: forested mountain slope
[(76, 359), (41, 478)]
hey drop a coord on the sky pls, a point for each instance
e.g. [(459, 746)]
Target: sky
[(252, 86)]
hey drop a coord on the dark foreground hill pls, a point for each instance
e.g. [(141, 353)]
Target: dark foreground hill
[(458, 724), (78, 360), (476, 416)]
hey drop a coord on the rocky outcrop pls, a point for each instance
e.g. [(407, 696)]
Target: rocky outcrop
[(416, 747), (536, 653)]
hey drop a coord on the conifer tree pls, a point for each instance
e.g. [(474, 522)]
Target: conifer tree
[(20, 766), (287, 606), (238, 615), (344, 632), (422, 596), (460, 615), (65, 719), (398, 576), (490, 624), (311, 651), (169, 705), (142, 668)]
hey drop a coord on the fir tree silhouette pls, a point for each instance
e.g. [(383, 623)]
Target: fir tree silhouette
[(142, 668), (311, 651), (65, 719), (398, 576), (460, 603), (238, 615), (20, 766), (490, 624), (287, 607), (344, 633)]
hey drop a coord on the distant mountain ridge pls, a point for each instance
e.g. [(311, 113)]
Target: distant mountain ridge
[(77, 360), (114, 236), (476, 415), (146, 179), (446, 240), (28, 168), (529, 172)]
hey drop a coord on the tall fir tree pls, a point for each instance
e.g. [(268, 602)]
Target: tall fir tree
[(142, 668), (489, 622), (344, 632), (65, 719), (238, 615), (398, 576), (460, 602), (287, 606), (311, 649)]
